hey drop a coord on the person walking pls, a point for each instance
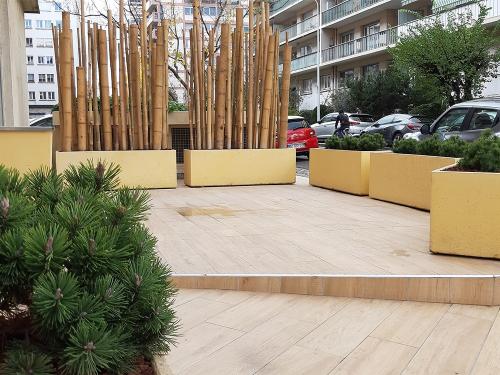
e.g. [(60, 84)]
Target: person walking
[(343, 119)]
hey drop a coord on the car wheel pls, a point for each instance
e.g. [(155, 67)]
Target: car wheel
[(396, 137)]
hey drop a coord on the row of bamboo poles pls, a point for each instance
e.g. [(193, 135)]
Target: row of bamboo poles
[(239, 88), (132, 112)]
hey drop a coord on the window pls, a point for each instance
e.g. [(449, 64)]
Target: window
[(29, 42), (307, 86), (347, 37), (209, 11), (49, 60), (451, 120), (29, 60), (31, 78), (345, 76), (188, 11), (44, 42), (482, 119), (31, 95), (297, 124), (43, 95), (39, 24), (52, 95), (386, 120), (50, 78), (42, 78), (57, 6), (59, 24), (305, 50), (27, 24), (41, 60), (370, 69), (325, 82)]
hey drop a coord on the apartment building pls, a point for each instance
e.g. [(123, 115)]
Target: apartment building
[(40, 60), (349, 38), (180, 12)]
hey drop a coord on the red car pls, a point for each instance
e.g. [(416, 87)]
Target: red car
[(300, 135)]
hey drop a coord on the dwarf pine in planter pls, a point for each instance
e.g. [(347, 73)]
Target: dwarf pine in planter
[(82, 290), (366, 142)]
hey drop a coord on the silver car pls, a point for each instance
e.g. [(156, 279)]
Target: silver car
[(394, 127), (466, 120), (326, 126)]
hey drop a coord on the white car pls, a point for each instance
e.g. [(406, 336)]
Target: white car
[(42, 122)]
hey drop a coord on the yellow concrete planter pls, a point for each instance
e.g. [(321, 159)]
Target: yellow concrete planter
[(149, 169), (239, 167), (342, 170), (465, 209), (403, 178), (25, 148)]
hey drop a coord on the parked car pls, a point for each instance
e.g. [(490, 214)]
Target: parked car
[(300, 135), (394, 127), (326, 126), (42, 122), (466, 120)]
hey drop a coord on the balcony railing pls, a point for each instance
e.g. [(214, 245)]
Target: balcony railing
[(303, 27), (344, 9), (367, 43), (304, 61), (278, 5)]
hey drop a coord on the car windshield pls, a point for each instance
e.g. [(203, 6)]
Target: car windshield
[(451, 121), (297, 124), (385, 120), (423, 120)]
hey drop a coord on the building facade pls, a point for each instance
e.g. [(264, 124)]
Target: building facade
[(40, 60), (349, 38)]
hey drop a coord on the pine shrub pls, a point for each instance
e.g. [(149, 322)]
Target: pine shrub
[(482, 155), (82, 290), (333, 143), (367, 142), (430, 146), (454, 147), (405, 146), (371, 142)]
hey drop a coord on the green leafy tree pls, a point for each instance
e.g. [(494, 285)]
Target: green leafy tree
[(459, 56), (82, 290)]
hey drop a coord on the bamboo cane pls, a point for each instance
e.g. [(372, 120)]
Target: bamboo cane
[(256, 86), (66, 98), (199, 91), (211, 52), (114, 89), (135, 90), (209, 108), (121, 61), (97, 117), (104, 90), (128, 90), (145, 124), (220, 101), (196, 87), (165, 139), (250, 76), (159, 89), (285, 94), (81, 101), (83, 36), (74, 131), (188, 96), (274, 107), (150, 71), (55, 37), (268, 86), (90, 119), (229, 102), (239, 77)]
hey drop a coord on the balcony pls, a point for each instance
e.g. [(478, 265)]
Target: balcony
[(344, 9), (304, 61), (367, 43), (300, 28), (280, 5)]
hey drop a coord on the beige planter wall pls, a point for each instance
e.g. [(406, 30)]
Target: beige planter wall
[(25, 148), (465, 213), (239, 167), (149, 169), (342, 170), (403, 178)]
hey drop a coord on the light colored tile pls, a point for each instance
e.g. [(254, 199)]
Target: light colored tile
[(376, 357), (197, 311), (411, 323), (452, 347), (345, 330), (198, 343), (488, 362), (301, 361), (481, 312)]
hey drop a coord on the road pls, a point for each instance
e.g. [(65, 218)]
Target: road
[(302, 166)]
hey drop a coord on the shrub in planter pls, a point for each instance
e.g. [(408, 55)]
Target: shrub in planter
[(405, 146), (483, 155), (454, 147), (82, 290), (367, 142), (429, 146)]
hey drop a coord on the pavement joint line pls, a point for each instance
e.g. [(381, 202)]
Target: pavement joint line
[(328, 275)]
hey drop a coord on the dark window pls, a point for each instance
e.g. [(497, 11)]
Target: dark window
[(482, 119), (451, 120), (385, 120), (297, 124)]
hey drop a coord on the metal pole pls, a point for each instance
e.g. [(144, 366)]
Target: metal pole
[(318, 51)]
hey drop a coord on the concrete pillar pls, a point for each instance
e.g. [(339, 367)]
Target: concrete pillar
[(13, 80)]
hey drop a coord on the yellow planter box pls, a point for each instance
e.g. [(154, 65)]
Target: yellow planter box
[(404, 179), (149, 169), (25, 148), (239, 167), (465, 209), (342, 170)]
